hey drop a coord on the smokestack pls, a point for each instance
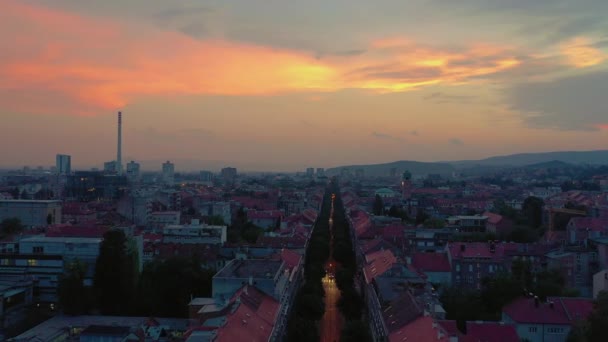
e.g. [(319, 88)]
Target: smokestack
[(119, 146)]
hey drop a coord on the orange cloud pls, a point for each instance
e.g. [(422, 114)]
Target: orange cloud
[(104, 64), (580, 53)]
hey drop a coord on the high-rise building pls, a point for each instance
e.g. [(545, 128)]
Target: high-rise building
[(110, 167), (168, 173), (133, 171), (63, 164), (206, 176), (229, 174), (320, 172), (310, 172)]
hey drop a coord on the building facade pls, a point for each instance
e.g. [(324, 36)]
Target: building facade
[(31, 213)]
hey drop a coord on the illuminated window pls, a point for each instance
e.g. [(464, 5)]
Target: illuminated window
[(32, 262)]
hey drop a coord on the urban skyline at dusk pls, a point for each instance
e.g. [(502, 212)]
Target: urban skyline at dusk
[(284, 85)]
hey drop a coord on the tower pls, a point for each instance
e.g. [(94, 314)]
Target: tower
[(119, 146)]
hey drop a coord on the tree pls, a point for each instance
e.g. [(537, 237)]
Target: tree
[(11, 226), (499, 291), (378, 206), (71, 289), (166, 286), (598, 320), (422, 216), (533, 211), (434, 223), (114, 274), (356, 331)]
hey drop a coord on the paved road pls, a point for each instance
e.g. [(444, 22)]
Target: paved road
[(331, 324)]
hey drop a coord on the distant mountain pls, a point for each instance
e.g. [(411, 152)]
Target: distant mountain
[(572, 157), (530, 160), (554, 164), (416, 168)]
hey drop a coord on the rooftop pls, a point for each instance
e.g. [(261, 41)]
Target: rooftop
[(266, 269), (562, 311)]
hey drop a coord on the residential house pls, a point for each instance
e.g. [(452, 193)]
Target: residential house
[(552, 321)]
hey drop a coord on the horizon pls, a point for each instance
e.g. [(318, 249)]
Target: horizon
[(280, 86), (218, 165)]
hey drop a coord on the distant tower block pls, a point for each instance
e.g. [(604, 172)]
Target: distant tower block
[(119, 146), (406, 185)]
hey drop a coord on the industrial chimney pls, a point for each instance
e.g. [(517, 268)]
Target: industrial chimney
[(119, 147)]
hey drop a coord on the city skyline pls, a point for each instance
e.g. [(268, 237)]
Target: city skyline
[(256, 82)]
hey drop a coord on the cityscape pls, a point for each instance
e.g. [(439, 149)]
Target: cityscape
[(283, 171)]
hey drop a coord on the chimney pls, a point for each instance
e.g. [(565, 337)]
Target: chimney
[(119, 146)]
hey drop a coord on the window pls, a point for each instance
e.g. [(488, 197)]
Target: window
[(532, 329), (38, 250), (32, 262), (555, 330), (470, 268), (457, 268)]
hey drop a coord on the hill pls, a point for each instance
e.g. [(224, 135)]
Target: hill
[(522, 159), (377, 170)]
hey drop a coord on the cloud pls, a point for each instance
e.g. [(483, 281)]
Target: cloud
[(456, 141), (386, 136), (96, 64), (581, 53), (439, 97), (571, 103)]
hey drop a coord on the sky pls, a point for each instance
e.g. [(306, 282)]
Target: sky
[(284, 84)]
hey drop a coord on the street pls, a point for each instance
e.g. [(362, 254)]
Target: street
[(331, 324)]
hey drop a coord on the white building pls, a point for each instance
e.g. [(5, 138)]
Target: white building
[(45, 258), (168, 175), (31, 213), (160, 219), (195, 232), (133, 171), (63, 164)]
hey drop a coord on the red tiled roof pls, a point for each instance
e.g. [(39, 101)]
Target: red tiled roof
[(431, 262), (422, 329), (253, 319), (493, 218), (490, 332), (378, 263), (564, 311), (290, 258), (266, 214), (393, 231)]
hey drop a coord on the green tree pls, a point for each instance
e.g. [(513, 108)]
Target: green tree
[(114, 274), (598, 320), (355, 331), (11, 226), (498, 291), (216, 220), (422, 216), (378, 206), (71, 290), (300, 329), (434, 223), (533, 211), (166, 286)]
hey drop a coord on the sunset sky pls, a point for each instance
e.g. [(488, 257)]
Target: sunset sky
[(285, 84)]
